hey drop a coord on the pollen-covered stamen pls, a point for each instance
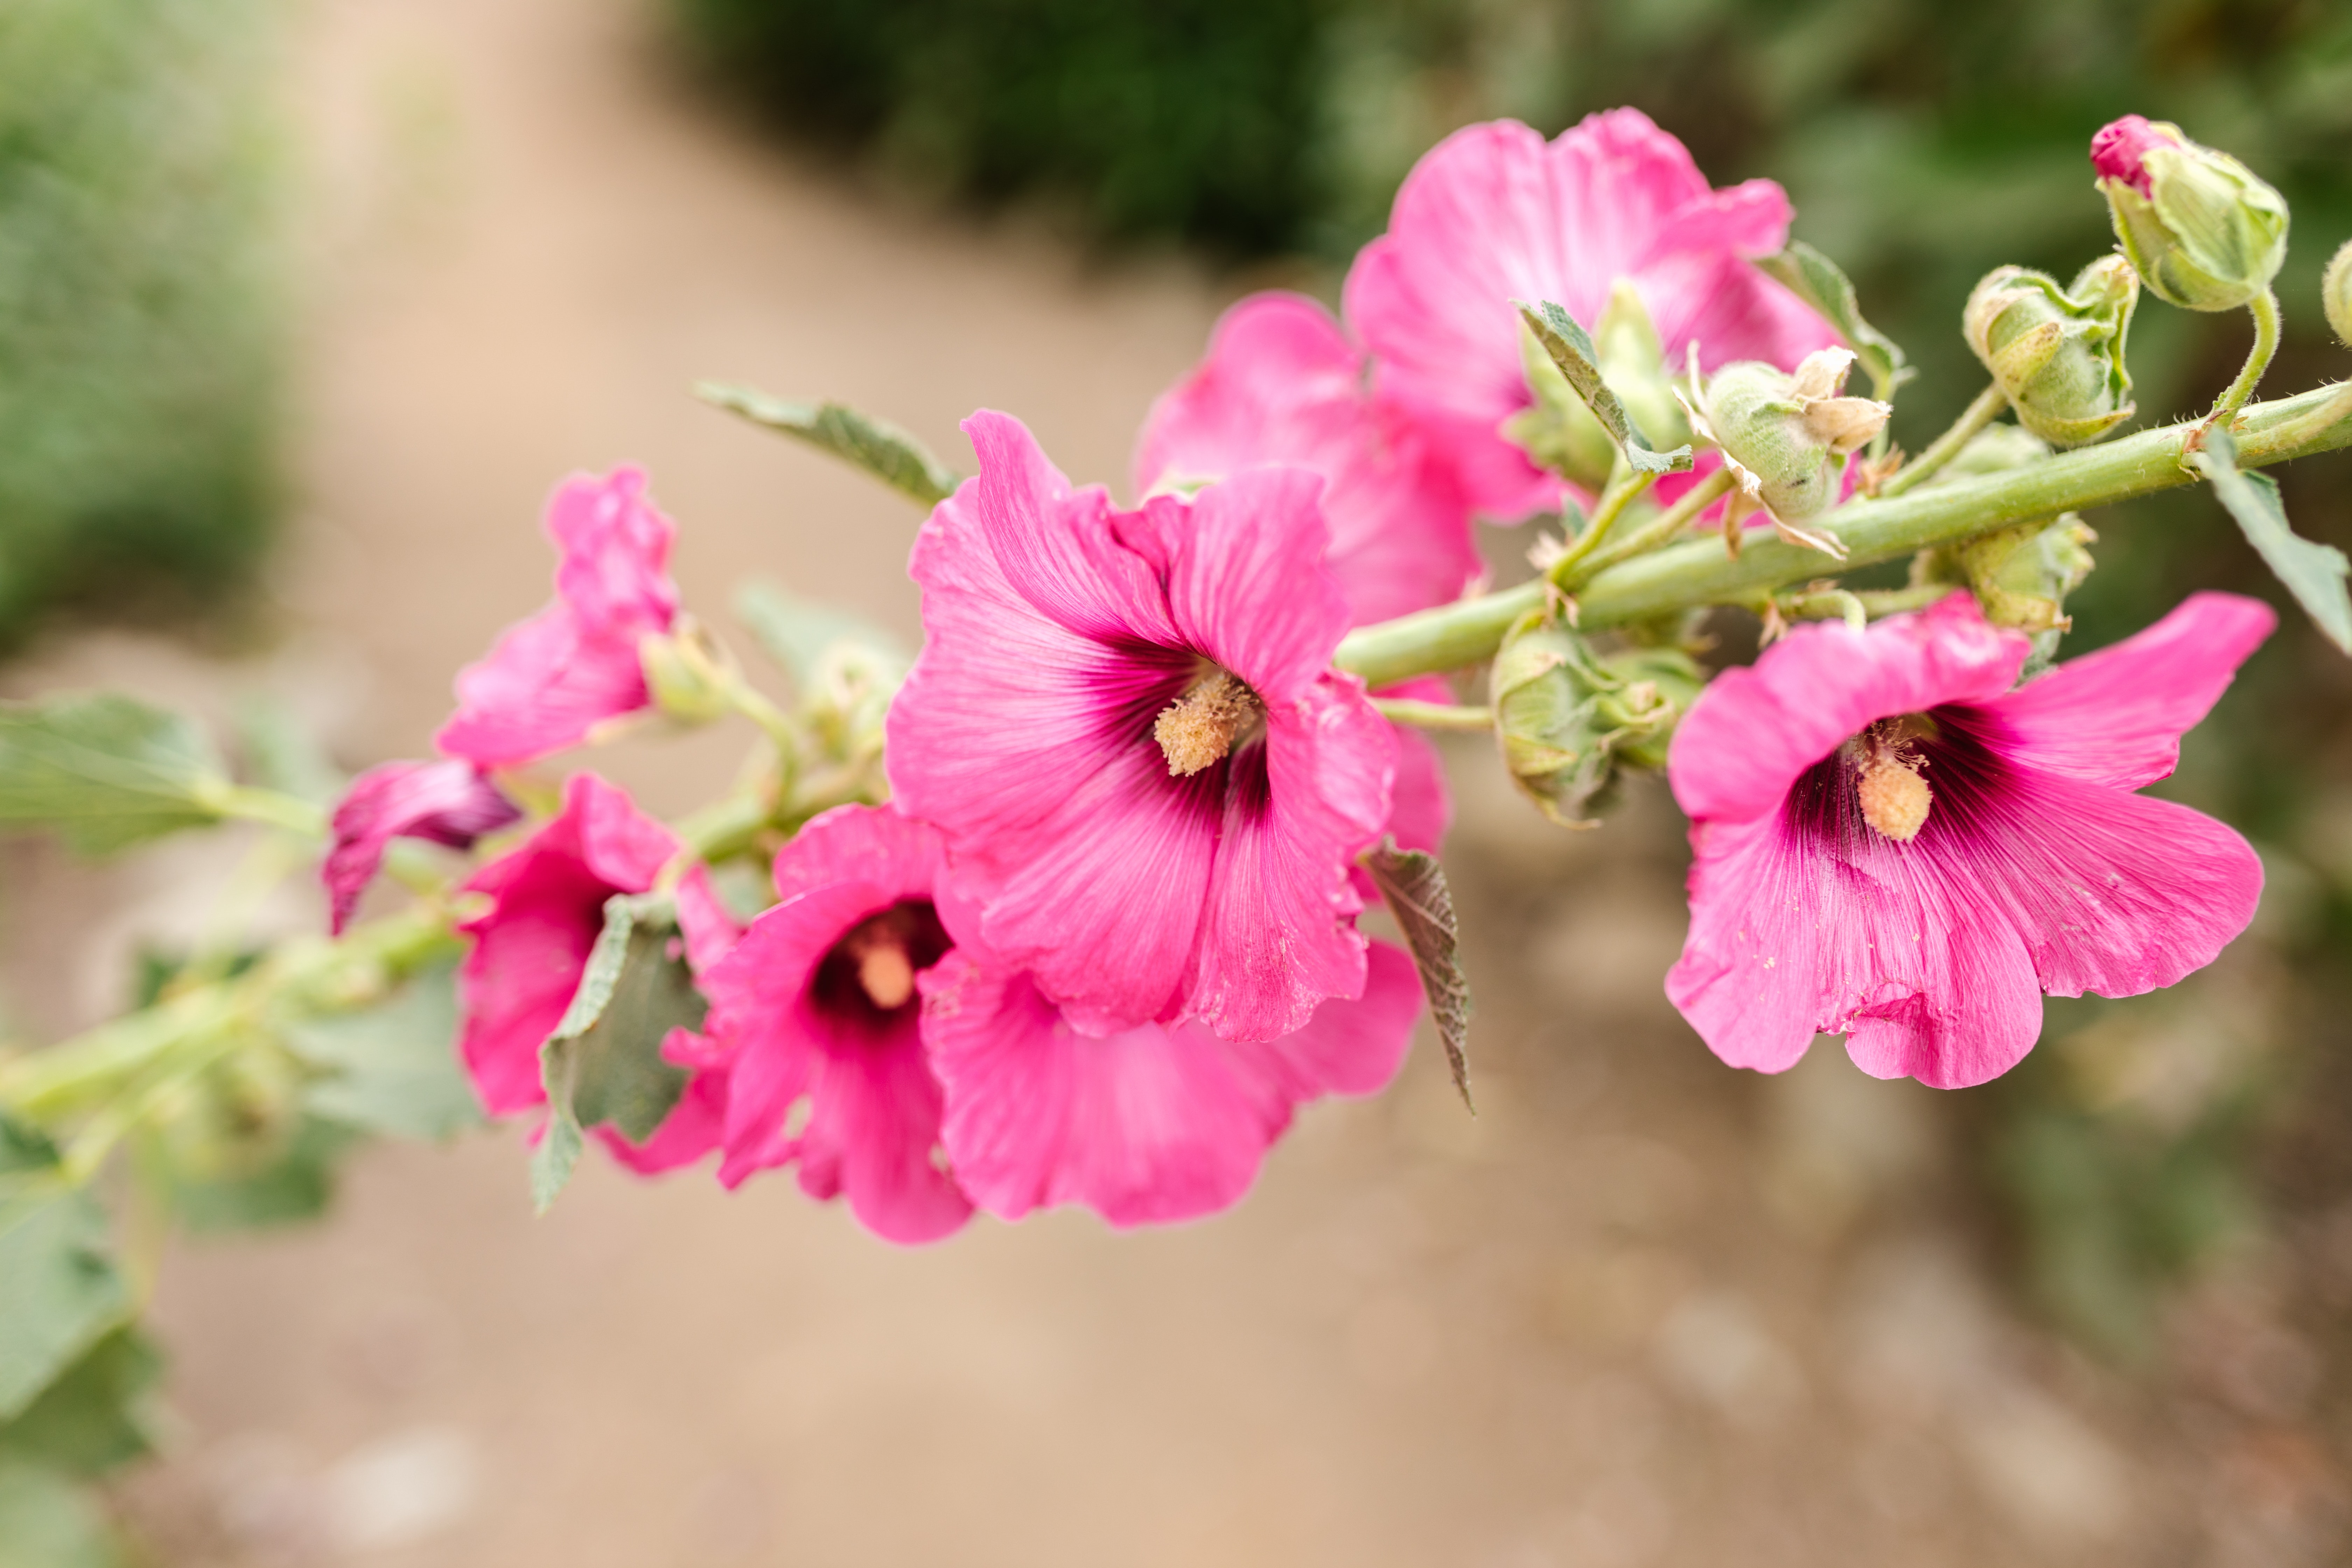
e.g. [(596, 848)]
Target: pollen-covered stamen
[(1202, 726), (1895, 799), (886, 972)]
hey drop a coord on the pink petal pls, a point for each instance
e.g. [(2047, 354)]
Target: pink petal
[(704, 921), (2119, 151), (873, 1135), (446, 803), (1246, 582), (614, 545), (2117, 716)]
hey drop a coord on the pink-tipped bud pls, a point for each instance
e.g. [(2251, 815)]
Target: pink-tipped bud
[(2203, 231), (2119, 149)]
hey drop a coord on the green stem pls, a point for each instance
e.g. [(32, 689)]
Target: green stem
[(248, 803), (1659, 530), (1434, 715), (1946, 447), (1823, 604), (1700, 573), (2263, 307), (1612, 505)]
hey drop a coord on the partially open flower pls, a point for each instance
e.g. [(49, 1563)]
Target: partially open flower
[(1566, 719), (450, 802), (2205, 233), (1786, 436), (2058, 353)]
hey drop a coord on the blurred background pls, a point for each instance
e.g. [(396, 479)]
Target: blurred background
[(304, 308)]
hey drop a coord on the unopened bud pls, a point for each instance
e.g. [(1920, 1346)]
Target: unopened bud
[(2058, 353), (2336, 295), (1791, 433), (2203, 231), (686, 672), (1568, 721), (1559, 434)]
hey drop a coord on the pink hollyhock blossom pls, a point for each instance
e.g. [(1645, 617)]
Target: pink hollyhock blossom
[(817, 1005), (1127, 728), (531, 948), (2119, 149), (1150, 1125), (1493, 213), (1282, 384), (1894, 844), (553, 679), (446, 802)]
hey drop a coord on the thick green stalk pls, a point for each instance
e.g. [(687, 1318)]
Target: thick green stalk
[(1700, 573)]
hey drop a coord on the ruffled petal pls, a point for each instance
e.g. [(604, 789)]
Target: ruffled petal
[(446, 803), (614, 549), (2117, 716), (1351, 1046), (873, 1137), (1246, 582)]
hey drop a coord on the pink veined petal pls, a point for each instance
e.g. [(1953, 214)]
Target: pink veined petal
[(1246, 582), (2117, 716), (615, 568), (704, 921), (444, 802), (545, 684), (873, 1129), (1744, 220), (872, 844), (1755, 728), (1350, 1046), (1730, 310)]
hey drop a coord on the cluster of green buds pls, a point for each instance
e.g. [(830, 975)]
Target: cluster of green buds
[(1786, 435), (2204, 232), (2058, 353), (1568, 719)]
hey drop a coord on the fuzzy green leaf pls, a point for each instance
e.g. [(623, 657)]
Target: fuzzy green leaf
[(60, 1289), (1820, 283), (1570, 348), (105, 771), (2312, 572), (293, 1184), (392, 1069), (95, 1417), (1413, 885), (798, 633), (878, 446), (50, 1520)]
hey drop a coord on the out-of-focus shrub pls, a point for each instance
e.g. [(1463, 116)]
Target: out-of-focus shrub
[(137, 313)]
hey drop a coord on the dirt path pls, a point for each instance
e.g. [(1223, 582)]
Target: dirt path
[(1644, 1311)]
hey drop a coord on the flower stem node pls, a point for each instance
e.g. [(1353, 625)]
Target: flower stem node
[(1197, 730), (2058, 353), (1787, 435), (1566, 720), (2204, 232)]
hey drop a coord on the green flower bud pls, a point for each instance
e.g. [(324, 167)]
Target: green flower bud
[(1568, 721), (1559, 434), (2058, 353), (2204, 232), (1787, 435), (688, 672), (2336, 295)]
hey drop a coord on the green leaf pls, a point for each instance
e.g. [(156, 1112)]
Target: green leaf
[(392, 1069), (798, 633), (60, 1289), (878, 446), (95, 1417), (1818, 281), (1570, 348), (602, 1065), (296, 1184), (47, 1520), (105, 771), (1413, 885), (2312, 572)]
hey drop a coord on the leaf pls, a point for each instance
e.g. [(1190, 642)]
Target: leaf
[(2312, 572), (60, 1289), (797, 632), (878, 446), (602, 1065), (1413, 884), (47, 1520), (296, 1184), (1570, 348), (95, 1417), (392, 1069), (105, 771), (1818, 281)]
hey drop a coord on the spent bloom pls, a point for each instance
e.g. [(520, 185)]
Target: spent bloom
[(2203, 230), (1894, 843), (816, 1007), (549, 681), (1494, 214), (1282, 383), (2057, 352), (1126, 725), (1786, 436), (531, 945), (448, 802)]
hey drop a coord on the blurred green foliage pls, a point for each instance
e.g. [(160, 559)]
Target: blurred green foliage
[(138, 314)]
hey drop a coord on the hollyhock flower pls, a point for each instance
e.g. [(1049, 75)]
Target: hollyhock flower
[(817, 1005), (1282, 384), (446, 803), (1494, 214), (531, 948), (1150, 1125), (550, 680), (1894, 844), (1127, 728)]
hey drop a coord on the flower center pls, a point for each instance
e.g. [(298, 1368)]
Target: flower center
[(1200, 727), (869, 974), (1895, 799)]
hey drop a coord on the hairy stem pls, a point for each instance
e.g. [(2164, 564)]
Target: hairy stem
[(1611, 506), (1700, 573), (1659, 530), (1434, 715), (2264, 309), (1946, 447)]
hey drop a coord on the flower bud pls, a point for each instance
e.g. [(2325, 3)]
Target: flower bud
[(2058, 353), (1559, 434), (686, 672), (2336, 295), (1566, 720), (2202, 230), (1788, 435)]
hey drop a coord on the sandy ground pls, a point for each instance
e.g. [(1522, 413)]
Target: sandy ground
[(1643, 1310)]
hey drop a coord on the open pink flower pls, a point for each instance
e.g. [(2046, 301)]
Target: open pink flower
[(446, 802), (1894, 844), (553, 679), (1282, 383), (1127, 728), (1493, 213), (817, 1006), (531, 948), (1150, 1125)]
